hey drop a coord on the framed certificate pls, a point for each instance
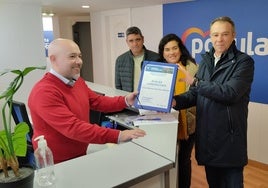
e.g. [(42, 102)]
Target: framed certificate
[(156, 86)]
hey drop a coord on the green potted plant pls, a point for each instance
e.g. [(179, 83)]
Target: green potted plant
[(13, 143)]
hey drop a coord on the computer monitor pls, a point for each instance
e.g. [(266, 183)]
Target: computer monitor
[(19, 114)]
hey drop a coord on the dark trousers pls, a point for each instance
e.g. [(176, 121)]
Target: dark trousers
[(184, 161), (218, 177)]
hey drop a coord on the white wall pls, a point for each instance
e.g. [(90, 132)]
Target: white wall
[(22, 44), (107, 46), (258, 132), (149, 20), (62, 26)]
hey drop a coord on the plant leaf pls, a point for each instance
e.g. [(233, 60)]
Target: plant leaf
[(16, 71), (25, 71), (8, 92), (5, 71), (29, 69), (18, 138)]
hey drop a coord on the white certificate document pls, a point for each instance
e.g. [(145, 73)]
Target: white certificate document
[(156, 86)]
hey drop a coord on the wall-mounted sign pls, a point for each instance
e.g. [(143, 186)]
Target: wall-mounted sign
[(121, 35)]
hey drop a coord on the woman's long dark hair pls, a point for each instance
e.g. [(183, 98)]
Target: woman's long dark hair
[(185, 54)]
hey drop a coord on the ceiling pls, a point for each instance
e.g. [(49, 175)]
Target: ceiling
[(73, 7)]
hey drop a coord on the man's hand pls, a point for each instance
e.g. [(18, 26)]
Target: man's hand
[(188, 78), (130, 98), (173, 103), (127, 135)]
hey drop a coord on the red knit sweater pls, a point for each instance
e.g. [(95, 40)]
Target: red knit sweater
[(61, 113)]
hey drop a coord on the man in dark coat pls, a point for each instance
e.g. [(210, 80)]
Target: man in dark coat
[(221, 90)]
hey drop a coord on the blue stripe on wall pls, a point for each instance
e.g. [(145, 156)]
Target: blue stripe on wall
[(190, 21)]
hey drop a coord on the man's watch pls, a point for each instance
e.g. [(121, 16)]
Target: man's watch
[(195, 82)]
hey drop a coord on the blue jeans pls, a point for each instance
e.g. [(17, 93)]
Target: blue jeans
[(218, 177)]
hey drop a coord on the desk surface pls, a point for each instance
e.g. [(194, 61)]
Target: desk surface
[(119, 166), (161, 134), (161, 139), (106, 90)]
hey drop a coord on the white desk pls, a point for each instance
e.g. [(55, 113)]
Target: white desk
[(106, 90), (161, 135), (119, 166), (161, 139)]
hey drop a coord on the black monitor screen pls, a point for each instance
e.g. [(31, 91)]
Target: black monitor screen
[(19, 114)]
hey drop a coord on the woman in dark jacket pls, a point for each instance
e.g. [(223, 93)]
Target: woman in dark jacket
[(221, 92)]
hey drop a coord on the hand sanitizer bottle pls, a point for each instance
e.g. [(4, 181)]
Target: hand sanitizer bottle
[(45, 175)]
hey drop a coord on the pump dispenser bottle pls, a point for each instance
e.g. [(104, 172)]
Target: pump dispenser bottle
[(45, 175)]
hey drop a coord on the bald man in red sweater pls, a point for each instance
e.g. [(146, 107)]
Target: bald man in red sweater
[(60, 110)]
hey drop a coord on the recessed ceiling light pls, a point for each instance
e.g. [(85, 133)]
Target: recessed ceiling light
[(85, 6), (50, 14)]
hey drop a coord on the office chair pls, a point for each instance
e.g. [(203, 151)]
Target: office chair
[(19, 114)]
